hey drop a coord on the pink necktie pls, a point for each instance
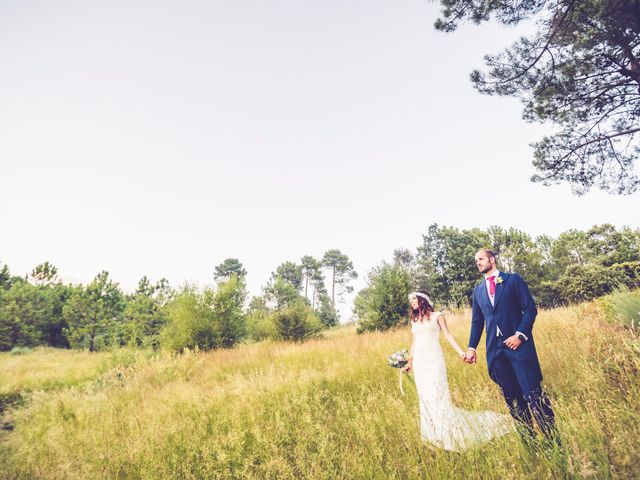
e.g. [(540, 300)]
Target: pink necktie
[(492, 285)]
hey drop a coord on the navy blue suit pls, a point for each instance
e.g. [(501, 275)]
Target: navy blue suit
[(517, 372)]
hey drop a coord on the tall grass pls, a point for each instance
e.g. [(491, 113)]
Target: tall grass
[(328, 408), (623, 307)]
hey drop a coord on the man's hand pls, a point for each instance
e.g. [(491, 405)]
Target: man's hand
[(513, 342), (470, 356)]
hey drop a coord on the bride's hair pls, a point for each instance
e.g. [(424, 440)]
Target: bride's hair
[(424, 308)]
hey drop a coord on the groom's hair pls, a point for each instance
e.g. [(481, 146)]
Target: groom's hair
[(488, 252)]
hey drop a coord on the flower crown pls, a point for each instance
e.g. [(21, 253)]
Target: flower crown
[(423, 295)]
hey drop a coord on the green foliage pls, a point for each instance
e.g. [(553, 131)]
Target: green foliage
[(326, 312), (20, 350), (384, 303), (449, 254), (94, 314), (574, 267), (281, 292), (296, 322), (229, 268), (342, 272), (312, 275), (26, 315), (45, 274), (623, 308), (227, 309), (260, 326), (190, 323), (630, 272), (581, 283), (5, 278), (578, 70), (145, 313), (290, 273), (205, 320), (547, 294)]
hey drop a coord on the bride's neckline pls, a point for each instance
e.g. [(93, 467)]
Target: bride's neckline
[(422, 320), (425, 319)]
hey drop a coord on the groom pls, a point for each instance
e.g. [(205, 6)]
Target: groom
[(503, 304)]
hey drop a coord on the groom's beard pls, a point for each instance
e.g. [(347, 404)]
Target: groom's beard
[(485, 269)]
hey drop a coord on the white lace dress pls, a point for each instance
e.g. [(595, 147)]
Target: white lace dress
[(442, 424)]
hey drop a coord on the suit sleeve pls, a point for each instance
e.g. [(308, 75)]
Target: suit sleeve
[(527, 306), (477, 323)]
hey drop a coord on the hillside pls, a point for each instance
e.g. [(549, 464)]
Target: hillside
[(327, 408)]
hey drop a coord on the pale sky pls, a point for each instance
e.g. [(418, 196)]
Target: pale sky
[(160, 137)]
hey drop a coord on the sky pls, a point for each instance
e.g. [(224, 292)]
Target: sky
[(160, 137)]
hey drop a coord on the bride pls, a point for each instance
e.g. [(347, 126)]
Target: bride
[(442, 424)]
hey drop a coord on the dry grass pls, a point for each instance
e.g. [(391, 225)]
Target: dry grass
[(328, 408)]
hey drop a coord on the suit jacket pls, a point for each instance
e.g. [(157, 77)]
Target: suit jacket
[(513, 311)]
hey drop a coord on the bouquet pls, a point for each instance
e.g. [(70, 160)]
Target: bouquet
[(399, 360)]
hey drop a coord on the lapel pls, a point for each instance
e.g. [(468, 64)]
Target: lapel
[(499, 290)]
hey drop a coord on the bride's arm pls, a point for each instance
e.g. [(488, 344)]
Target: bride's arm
[(442, 321)]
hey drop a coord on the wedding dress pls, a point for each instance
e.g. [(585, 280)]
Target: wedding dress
[(442, 424)]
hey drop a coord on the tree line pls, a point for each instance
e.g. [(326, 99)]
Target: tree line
[(295, 303), (39, 309), (574, 267)]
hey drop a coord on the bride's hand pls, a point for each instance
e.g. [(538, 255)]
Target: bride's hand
[(461, 355), (406, 368)]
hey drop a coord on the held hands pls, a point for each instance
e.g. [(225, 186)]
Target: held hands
[(513, 342), (470, 356)]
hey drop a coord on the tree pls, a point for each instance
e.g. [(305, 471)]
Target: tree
[(280, 293), (5, 278), (449, 254), (517, 252), (609, 246), (94, 313), (311, 273), (290, 273), (284, 286), (227, 304), (342, 272), (326, 312), (580, 71), (581, 283), (229, 267), (190, 322), (45, 274), (570, 248), (145, 313), (384, 303), (23, 309)]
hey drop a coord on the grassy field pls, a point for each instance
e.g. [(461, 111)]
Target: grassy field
[(328, 408)]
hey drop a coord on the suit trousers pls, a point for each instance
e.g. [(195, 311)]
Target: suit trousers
[(522, 392)]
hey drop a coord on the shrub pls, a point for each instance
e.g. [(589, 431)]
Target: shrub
[(630, 271), (205, 320), (296, 322), (260, 326), (623, 307), (581, 283)]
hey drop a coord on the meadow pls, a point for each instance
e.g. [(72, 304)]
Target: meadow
[(328, 408)]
